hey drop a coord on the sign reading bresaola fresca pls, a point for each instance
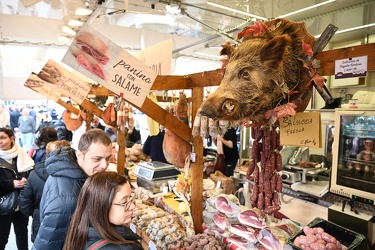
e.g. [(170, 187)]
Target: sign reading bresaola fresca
[(98, 58)]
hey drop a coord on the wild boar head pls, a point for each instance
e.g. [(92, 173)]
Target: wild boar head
[(260, 75)]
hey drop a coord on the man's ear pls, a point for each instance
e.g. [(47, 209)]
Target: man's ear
[(79, 154)]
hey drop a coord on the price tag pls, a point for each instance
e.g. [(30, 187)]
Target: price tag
[(133, 228), (152, 246)]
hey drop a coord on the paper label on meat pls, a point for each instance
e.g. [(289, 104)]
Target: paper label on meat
[(120, 72)]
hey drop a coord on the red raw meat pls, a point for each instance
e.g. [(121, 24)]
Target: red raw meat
[(244, 231), (221, 221), (251, 218)]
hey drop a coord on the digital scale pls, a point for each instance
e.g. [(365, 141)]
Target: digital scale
[(153, 175)]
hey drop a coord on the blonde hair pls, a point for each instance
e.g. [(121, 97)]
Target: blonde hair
[(55, 145)]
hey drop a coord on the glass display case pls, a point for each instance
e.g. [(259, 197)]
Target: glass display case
[(353, 164)]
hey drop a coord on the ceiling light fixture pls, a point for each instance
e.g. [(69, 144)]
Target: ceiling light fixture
[(78, 9), (68, 30), (75, 22), (351, 29), (305, 9), (237, 11)]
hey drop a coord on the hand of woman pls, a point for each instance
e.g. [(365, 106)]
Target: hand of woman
[(19, 183)]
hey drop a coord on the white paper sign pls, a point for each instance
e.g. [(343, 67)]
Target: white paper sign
[(351, 67), (158, 57), (38, 85), (97, 57), (64, 81)]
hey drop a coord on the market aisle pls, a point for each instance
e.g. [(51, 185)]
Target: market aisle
[(12, 238)]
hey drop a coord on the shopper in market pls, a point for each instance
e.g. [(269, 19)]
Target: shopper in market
[(31, 194), (230, 148), (38, 149), (46, 121), (104, 207), (96, 123), (27, 127), (62, 132), (4, 116), (14, 157), (153, 146), (68, 170)]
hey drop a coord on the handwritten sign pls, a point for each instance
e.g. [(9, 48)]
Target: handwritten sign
[(351, 67), (64, 81), (100, 59), (38, 85), (158, 57), (303, 129)]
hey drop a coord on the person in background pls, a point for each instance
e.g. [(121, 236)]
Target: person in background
[(4, 116), (68, 169), (153, 147), (26, 126), (15, 114), (53, 114), (31, 194), (32, 113), (14, 157), (96, 123), (230, 148), (133, 137), (104, 208), (111, 132), (38, 149), (62, 132), (46, 121)]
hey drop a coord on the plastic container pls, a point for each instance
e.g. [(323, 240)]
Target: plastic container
[(347, 237)]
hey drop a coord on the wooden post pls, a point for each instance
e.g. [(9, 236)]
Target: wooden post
[(196, 169), (121, 152)]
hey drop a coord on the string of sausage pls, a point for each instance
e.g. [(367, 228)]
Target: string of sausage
[(264, 168)]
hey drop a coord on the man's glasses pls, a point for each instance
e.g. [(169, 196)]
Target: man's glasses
[(126, 204)]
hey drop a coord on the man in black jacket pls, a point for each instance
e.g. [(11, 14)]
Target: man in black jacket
[(62, 132), (68, 169)]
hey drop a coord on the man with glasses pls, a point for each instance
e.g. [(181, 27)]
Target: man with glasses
[(68, 169)]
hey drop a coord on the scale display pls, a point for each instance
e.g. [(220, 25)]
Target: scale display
[(155, 170)]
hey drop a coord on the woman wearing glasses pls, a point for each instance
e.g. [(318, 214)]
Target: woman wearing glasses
[(104, 208)]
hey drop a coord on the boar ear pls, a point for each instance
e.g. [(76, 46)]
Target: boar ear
[(272, 53), (227, 49)]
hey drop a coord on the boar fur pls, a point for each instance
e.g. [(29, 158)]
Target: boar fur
[(264, 72)]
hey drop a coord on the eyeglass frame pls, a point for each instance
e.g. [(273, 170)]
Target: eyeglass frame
[(126, 203)]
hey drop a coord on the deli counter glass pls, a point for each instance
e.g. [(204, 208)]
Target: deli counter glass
[(353, 162)]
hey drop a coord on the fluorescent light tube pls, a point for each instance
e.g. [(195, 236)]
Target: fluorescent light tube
[(238, 11), (305, 9)]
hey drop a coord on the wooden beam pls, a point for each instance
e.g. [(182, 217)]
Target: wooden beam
[(121, 151), (328, 58), (68, 106), (202, 79), (196, 167)]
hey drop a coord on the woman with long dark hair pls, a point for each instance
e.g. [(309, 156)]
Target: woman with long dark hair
[(12, 156), (104, 208)]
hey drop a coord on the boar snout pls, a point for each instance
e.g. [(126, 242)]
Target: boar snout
[(220, 108), (207, 110)]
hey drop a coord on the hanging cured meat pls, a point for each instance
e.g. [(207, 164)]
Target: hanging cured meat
[(109, 115), (176, 149), (71, 124)]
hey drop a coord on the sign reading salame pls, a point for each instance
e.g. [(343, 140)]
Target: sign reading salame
[(98, 58)]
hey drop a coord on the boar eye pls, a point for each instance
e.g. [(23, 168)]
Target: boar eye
[(245, 75)]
